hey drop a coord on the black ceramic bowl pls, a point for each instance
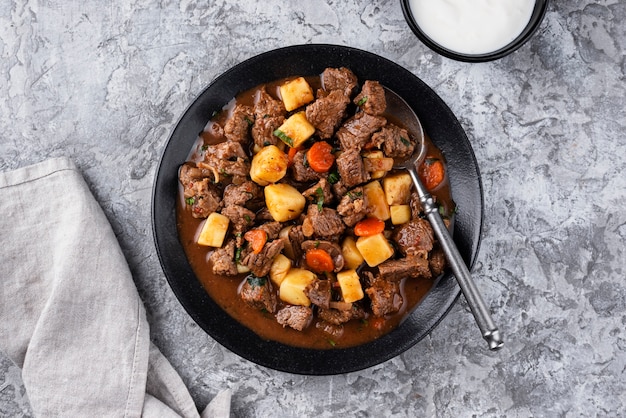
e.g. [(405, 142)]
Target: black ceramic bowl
[(533, 24), (438, 121)]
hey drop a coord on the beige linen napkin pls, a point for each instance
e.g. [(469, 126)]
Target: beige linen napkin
[(70, 315)]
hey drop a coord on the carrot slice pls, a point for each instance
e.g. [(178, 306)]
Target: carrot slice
[(320, 157), (432, 172), (319, 260), (369, 226), (291, 155), (257, 239)]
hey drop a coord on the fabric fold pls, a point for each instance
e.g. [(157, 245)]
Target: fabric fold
[(70, 314)]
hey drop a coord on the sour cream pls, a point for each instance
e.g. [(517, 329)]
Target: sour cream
[(472, 26)]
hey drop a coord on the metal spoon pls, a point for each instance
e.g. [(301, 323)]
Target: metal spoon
[(399, 108)]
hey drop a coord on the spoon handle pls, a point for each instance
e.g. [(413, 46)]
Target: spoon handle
[(480, 311)]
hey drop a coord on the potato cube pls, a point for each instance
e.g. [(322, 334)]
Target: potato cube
[(397, 188), (400, 214), (375, 155), (268, 165), (375, 249), (350, 285), (214, 230), (279, 269), (292, 287), (296, 93), (283, 201), (376, 200), (351, 255), (295, 130)]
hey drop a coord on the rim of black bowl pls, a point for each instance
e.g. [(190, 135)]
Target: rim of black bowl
[(536, 18), (438, 121)]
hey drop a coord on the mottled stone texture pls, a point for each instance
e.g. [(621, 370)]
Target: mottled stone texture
[(105, 84)]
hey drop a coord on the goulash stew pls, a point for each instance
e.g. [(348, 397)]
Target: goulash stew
[(294, 220)]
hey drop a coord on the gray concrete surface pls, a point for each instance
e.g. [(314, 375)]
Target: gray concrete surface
[(105, 83)]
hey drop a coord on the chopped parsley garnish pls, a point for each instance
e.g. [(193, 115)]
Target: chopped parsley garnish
[(283, 137), (320, 199), (331, 342), (255, 281), (247, 218), (362, 101), (354, 195), (333, 177), (238, 254), (405, 141), (204, 147), (305, 160), (190, 200), (430, 161), (249, 121)]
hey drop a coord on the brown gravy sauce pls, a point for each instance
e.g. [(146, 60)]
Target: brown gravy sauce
[(224, 290)]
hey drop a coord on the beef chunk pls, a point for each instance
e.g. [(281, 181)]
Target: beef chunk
[(223, 260), (339, 79), (264, 215), (319, 293), (416, 205), (357, 130), (327, 112), (293, 242), (351, 168), (241, 194), (330, 247), (226, 159), (300, 171), (269, 115), (257, 292), (326, 224), (437, 262), (353, 207), (263, 130), (339, 189), (237, 127), (296, 317), (395, 141), (385, 297), (414, 238), (272, 229), (335, 331), (241, 219), (265, 105), (409, 267), (189, 173), (338, 317), (320, 190), (259, 264), (371, 98), (203, 197), (225, 151)]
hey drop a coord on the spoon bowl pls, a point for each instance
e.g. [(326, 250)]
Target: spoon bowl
[(397, 106)]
